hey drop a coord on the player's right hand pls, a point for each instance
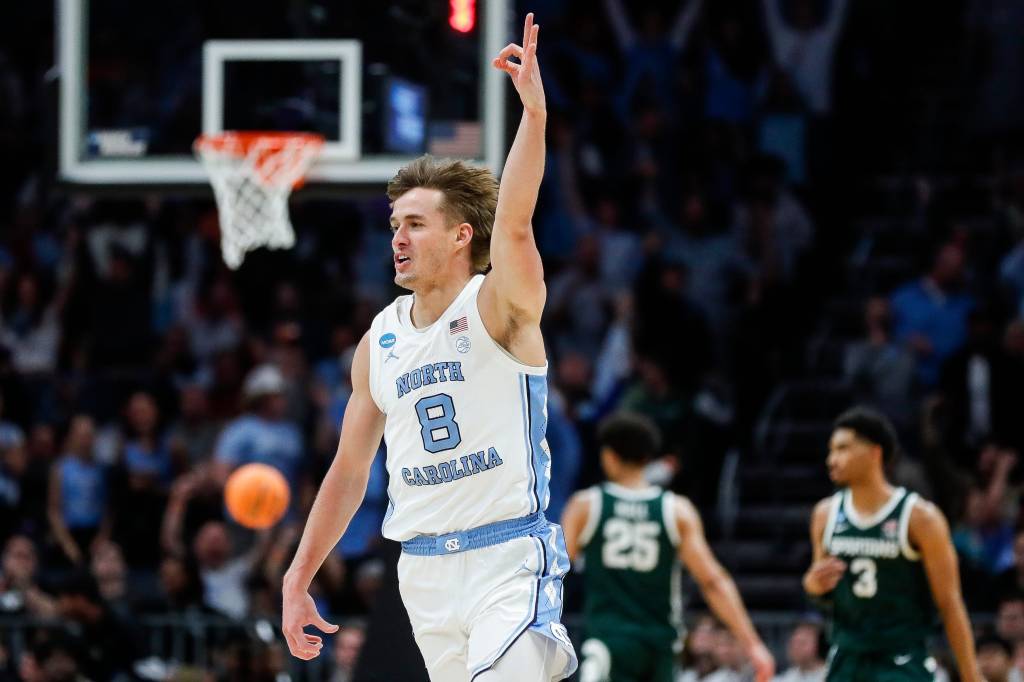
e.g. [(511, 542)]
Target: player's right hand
[(298, 611), (824, 575)]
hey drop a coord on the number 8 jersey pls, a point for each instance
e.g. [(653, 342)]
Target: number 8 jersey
[(882, 602), (465, 421)]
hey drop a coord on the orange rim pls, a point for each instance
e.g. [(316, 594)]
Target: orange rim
[(240, 143)]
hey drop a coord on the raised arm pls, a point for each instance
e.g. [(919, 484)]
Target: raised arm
[(340, 495), (683, 24), (929, 533), (718, 587), (619, 22), (513, 294), (778, 31)]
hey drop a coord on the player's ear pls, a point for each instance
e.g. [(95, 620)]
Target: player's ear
[(463, 234)]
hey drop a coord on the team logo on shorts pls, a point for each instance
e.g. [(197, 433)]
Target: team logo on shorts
[(387, 340), (452, 544), (462, 344)]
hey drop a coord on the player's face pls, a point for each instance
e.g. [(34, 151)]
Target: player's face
[(848, 457), (419, 238)]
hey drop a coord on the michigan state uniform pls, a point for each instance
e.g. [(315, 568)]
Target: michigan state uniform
[(469, 468), (883, 608), (631, 575)]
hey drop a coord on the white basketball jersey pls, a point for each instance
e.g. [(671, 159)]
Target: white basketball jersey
[(465, 421)]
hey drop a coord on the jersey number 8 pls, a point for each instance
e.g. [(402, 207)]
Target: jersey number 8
[(629, 544), (437, 423)]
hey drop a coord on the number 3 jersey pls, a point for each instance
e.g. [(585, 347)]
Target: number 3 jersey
[(882, 602), (465, 421), (631, 574)]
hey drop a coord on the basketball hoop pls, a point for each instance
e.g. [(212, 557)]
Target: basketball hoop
[(253, 174)]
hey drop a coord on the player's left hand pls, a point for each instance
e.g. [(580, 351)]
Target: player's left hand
[(763, 662), (526, 74)]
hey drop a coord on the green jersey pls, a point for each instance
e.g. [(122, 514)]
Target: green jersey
[(882, 602), (631, 572)]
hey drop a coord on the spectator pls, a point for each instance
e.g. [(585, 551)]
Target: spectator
[(19, 591), (981, 385), (1011, 275), (215, 324), (803, 650), (111, 576), (1010, 623), (78, 494), (981, 537), (995, 659), (181, 589), (347, 645), (881, 372), (144, 453), (112, 647), (10, 433), (805, 46), (224, 573), (930, 314), (13, 502), (263, 434), (1011, 581), (729, 656), (699, 651), (650, 53), (772, 224), (192, 437), (708, 254), (579, 305), (31, 330)]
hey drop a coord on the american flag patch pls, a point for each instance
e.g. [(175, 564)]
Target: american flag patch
[(459, 325)]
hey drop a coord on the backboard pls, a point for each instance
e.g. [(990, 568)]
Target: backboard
[(382, 81)]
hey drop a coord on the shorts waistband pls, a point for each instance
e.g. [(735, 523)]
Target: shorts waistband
[(474, 538)]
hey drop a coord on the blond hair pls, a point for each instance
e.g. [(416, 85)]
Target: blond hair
[(468, 195)]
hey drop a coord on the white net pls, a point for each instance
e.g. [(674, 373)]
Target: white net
[(252, 176)]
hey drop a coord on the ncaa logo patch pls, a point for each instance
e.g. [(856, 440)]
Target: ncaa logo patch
[(462, 344), (387, 340)]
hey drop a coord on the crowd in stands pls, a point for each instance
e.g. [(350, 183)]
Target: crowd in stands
[(704, 160)]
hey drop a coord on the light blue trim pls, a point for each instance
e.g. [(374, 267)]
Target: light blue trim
[(524, 397), (525, 625), (537, 391)]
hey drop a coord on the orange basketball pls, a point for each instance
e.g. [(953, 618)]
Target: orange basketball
[(256, 495)]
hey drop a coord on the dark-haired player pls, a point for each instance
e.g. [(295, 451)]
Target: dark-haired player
[(633, 537), (883, 558)]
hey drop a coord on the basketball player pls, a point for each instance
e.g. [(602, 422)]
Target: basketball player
[(884, 560), (454, 377), (633, 537)]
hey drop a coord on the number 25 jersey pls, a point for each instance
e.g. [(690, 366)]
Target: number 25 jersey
[(464, 421)]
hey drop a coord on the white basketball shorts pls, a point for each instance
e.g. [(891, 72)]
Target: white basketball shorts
[(468, 607)]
